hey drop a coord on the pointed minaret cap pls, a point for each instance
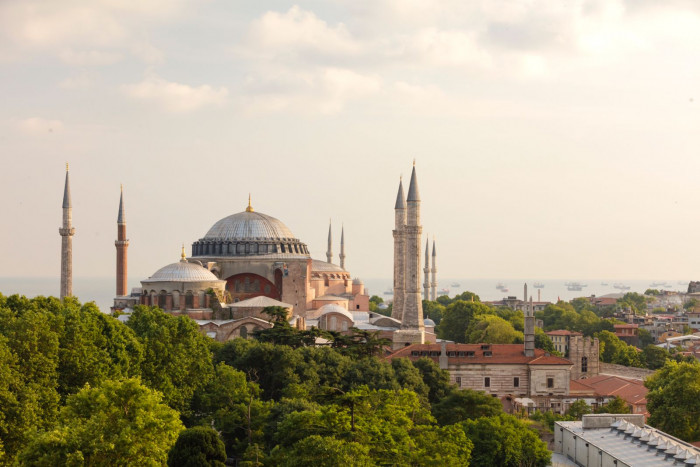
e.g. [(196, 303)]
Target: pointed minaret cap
[(122, 218), (413, 187), (66, 191), (400, 199), (183, 256), (427, 251), (250, 206), (434, 253)]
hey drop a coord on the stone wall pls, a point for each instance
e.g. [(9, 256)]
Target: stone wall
[(625, 371)]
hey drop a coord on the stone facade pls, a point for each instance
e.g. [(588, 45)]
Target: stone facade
[(584, 352), (399, 254)]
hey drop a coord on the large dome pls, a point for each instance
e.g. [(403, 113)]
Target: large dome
[(249, 225), (182, 271)]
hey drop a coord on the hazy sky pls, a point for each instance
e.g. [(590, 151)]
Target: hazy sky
[(553, 139)]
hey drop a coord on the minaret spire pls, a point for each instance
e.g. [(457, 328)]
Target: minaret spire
[(67, 231), (433, 278), (250, 206), (122, 243), (342, 247), (329, 252), (399, 253)]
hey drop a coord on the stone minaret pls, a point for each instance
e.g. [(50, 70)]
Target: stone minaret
[(433, 278), (329, 252), (426, 271), (342, 247), (399, 253), (122, 243), (525, 292), (67, 231), (529, 330), (412, 321)]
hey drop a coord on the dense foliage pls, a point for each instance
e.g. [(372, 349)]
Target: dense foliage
[(78, 387), (673, 400)]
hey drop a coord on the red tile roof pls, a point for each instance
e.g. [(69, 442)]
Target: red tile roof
[(500, 354), (632, 391)]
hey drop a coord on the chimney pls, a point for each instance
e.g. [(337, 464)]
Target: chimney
[(529, 331)]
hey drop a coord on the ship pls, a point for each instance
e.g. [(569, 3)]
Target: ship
[(455, 284), (621, 286), (389, 291), (500, 286), (575, 286), (538, 285), (443, 291)]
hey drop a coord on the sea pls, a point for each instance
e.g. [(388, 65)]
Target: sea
[(101, 289)]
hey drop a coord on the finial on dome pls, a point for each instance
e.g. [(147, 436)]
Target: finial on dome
[(250, 207), (66, 166), (183, 257)]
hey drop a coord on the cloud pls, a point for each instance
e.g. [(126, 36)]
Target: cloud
[(78, 81), (38, 126), (88, 57), (298, 32), (176, 97), (323, 90)]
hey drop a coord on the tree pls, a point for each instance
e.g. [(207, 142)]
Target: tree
[(637, 302), (645, 338), (492, 329), (542, 341), (322, 451), (118, 423), (433, 310), (505, 441), (691, 304), (199, 446), (578, 409), (457, 317), (615, 405), (437, 379), (614, 350), (177, 361), (673, 400), (652, 292), (655, 357), (467, 404)]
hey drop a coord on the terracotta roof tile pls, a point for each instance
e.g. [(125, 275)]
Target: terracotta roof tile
[(500, 354)]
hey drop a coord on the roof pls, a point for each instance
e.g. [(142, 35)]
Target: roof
[(260, 301), (625, 326), (66, 191), (563, 332), (500, 354), (323, 266), (182, 271), (249, 225), (333, 308), (329, 298), (400, 200), (413, 194), (632, 391), (121, 219)]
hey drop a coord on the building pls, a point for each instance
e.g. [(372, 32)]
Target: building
[(67, 231), (601, 389), (584, 353), (561, 338), (619, 440), (629, 333)]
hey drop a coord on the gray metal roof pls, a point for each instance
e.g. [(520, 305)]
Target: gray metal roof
[(182, 271), (249, 225), (324, 266)]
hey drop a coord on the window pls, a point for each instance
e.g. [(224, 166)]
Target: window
[(584, 364), (516, 382), (487, 353), (487, 382), (458, 381), (550, 382), (485, 347), (470, 353)]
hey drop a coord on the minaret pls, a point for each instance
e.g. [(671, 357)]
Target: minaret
[(329, 252), (122, 243), (525, 293), (426, 271), (433, 278), (399, 253), (412, 322), (342, 247), (529, 330), (67, 231)]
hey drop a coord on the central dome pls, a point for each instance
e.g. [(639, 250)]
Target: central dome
[(249, 225)]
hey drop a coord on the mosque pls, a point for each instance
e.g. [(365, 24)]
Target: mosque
[(249, 260)]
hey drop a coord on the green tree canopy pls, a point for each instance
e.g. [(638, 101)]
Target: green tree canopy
[(199, 446), (461, 405), (457, 317), (673, 400), (492, 329), (118, 423), (615, 405)]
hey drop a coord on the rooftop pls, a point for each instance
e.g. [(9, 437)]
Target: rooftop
[(481, 353)]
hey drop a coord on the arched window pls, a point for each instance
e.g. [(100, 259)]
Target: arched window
[(344, 326), (189, 299), (334, 323), (244, 332), (161, 299)]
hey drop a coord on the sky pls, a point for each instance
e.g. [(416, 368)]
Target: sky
[(551, 139)]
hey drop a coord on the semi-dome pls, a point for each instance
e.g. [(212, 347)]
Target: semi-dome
[(182, 271)]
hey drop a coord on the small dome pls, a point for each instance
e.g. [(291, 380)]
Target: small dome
[(182, 271), (333, 308), (428, 322), (357, 281)]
